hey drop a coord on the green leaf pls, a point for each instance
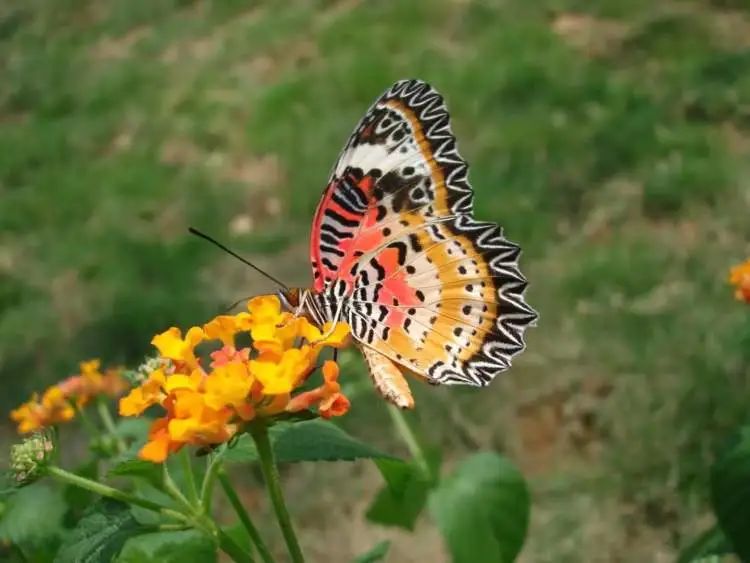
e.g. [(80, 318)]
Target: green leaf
[(319, 440), (730, 493), (403, 498), (133, 427), (299, 416), (482, 510), (710, 544), (376, 554), (100, 534), (140, 468), (77, 499), (33, 520), (312, 440), (186, 546)]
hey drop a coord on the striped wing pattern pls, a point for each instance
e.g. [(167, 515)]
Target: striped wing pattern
[(395, 248)]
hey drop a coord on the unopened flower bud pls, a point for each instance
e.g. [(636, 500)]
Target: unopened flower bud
[(29, 458)]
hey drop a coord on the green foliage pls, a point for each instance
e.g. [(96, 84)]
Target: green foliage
[(314, 440), (482, 509), (377, 553), (32, 519), (405, 494), (730, 492), (100, 534), (188, 546), (709, 545), (132, 467)]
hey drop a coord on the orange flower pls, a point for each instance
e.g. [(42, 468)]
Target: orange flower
[(34, 415), (59, 401), (330, 400), (739, 276), (208, 405)]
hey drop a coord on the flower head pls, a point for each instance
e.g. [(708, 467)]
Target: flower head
[(739, 276), (206, 403), (58, 403), (29, 458)]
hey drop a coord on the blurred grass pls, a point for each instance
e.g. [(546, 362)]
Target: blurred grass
[(610, 139)]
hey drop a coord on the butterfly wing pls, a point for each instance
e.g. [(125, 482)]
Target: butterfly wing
[(429, 287)]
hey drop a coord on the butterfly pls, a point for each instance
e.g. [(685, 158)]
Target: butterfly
[(398, 255)]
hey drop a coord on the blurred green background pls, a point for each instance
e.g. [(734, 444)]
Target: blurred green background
[(610, 139)]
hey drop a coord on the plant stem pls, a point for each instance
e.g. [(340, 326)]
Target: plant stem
[(207, 487), (406, 432), (244, 517), (109, 424), (90, 427), (187, 469), (110, 492), (174, 491), (232, 548), (259, 432)]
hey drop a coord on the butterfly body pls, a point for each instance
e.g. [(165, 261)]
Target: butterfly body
[(397, 254)]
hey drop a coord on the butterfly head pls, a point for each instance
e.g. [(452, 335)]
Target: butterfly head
[(290, 298), (300, 302)]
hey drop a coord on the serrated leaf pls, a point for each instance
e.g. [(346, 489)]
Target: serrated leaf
[(319, 440), (482, 510), (376, 554), (730, 494), (36, 532), (186, 546), (100, 534), (313, 440)]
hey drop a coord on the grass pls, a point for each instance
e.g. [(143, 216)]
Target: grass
[(610, 139)]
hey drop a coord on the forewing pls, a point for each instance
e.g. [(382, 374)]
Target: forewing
[(399, 169)]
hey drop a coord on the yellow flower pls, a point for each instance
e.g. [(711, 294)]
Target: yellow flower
[(207, 405), (172, 346), (223, 328), (140, 398), (739, 276), (228, 385), (280, 375)]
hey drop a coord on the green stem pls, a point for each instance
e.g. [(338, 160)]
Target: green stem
[(244, 517), (259, 432), (110, 492), (187, 469), (406, 432), (174, 491), (109, 424), (90, 427), (232, 548), (207, 487)]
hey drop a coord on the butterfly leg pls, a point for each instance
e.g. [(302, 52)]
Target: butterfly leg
[(388, 379), (334, 322)]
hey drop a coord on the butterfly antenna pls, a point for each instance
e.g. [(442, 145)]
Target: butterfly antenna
[(215, 242)]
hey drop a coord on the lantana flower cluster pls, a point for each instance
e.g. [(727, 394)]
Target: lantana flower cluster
[(59, 402), (207, 402), (739, 277)]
